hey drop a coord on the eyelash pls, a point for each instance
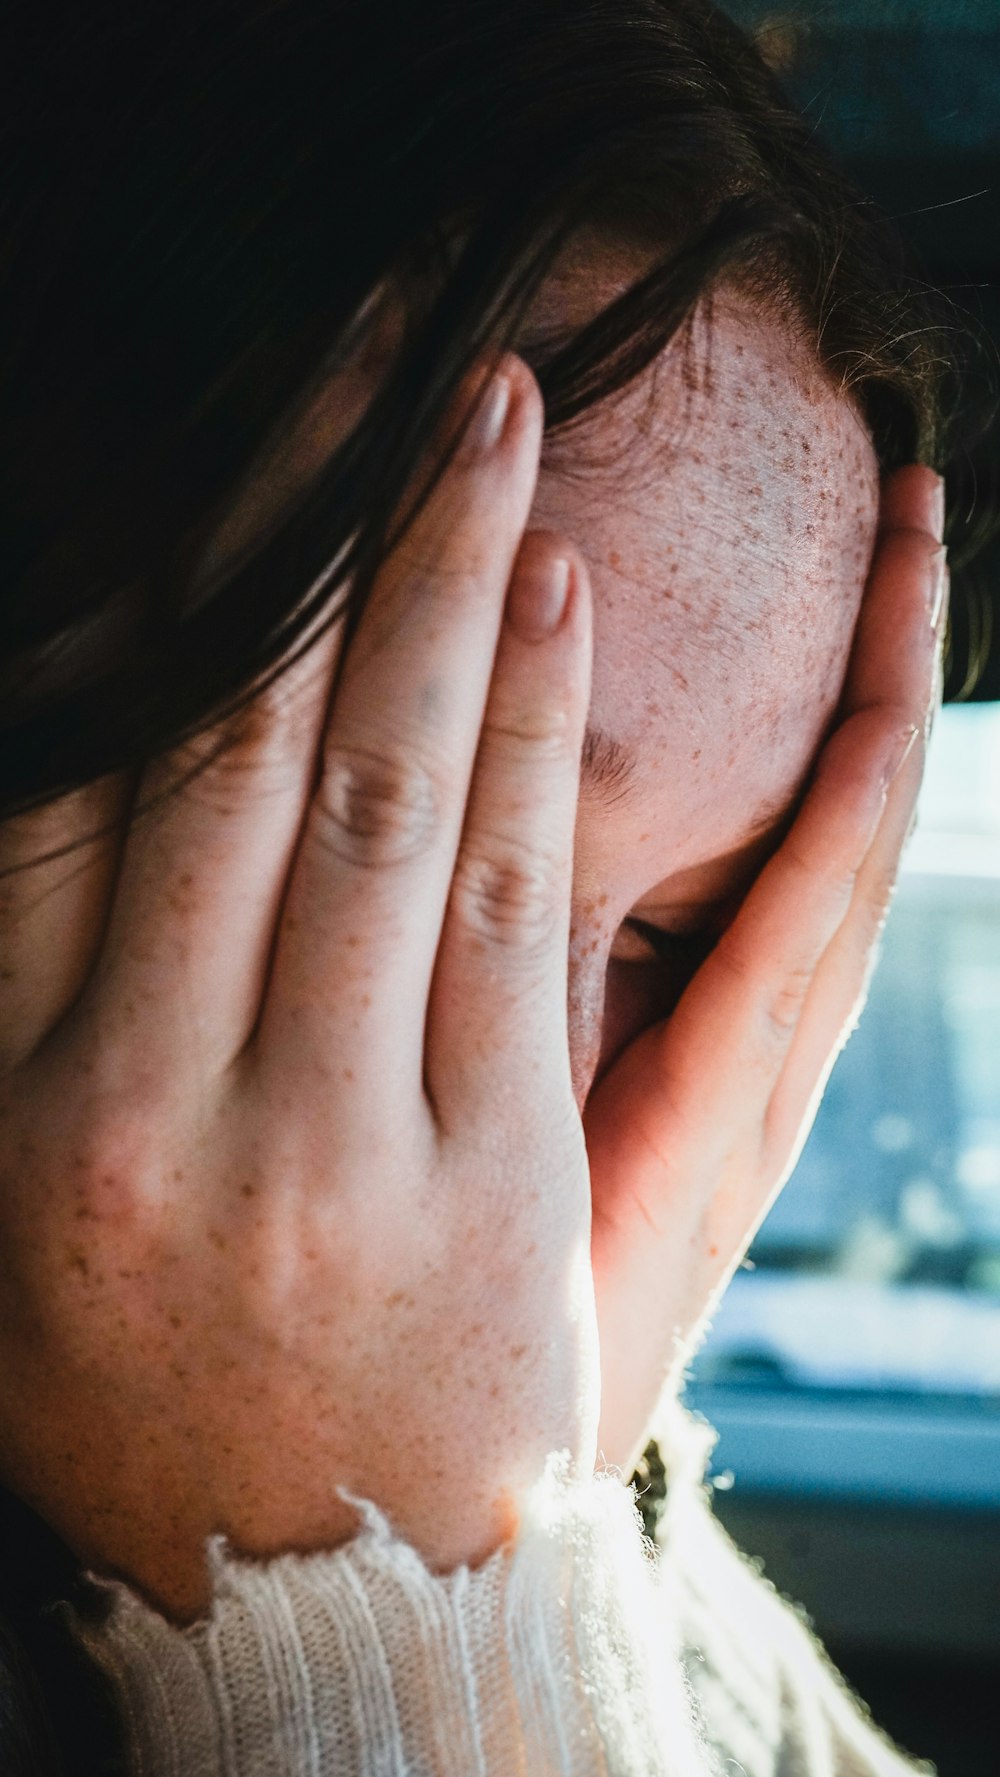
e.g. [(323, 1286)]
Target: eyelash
[(687, 948)]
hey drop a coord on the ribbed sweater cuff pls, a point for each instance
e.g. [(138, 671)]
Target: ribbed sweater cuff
[(557, 1657)]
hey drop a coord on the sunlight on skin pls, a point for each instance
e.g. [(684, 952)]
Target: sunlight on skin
[(727, 510), (726, 505)]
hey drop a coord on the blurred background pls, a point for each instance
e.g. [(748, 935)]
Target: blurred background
[(853, 1369)]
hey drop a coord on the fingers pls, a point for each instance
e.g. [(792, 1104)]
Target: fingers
[(840, 859), (903, 665), (901, 614), (838, 989), (912, 498), (838, 986), (57, 872), (702, 1118), (208, 853), (366, 903), (201, 880), (690, 1131), (752, 989), (500, 983)]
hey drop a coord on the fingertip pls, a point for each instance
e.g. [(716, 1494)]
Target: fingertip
[(580, 615), (578, 570), (526, 390), (520, 372), (913, 498), (539, 593), (548, 544), (497, 401)]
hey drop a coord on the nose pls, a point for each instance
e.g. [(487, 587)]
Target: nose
[(591, 937), (585, 1023)]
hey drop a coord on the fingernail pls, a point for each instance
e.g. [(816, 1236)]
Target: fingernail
[(537, 599), (938, 589), (897, 757), (487, 423), (938, 507)]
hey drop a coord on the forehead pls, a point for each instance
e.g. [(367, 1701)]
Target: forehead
[(726, 506)]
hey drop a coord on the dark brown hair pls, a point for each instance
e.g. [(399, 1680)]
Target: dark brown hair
[(198, 198)]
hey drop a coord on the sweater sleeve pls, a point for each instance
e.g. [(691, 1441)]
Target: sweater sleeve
[(770, 1701), (557, 1657), (580, 1651)]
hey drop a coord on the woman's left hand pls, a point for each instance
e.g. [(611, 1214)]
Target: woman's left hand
[(698, 1124)]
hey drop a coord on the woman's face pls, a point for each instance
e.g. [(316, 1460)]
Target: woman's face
[(726, 506)]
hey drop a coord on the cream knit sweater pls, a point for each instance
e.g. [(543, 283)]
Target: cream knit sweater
[(581, 1652)]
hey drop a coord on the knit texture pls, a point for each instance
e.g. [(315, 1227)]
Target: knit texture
[(770, 1700), (555, 1658), (578, 1652)]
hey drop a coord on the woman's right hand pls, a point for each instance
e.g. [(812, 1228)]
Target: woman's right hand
[(293, 1189)]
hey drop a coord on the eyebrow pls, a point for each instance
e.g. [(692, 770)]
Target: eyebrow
[(611, 770)]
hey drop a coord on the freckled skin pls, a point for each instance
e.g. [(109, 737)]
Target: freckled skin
[(726, 505), (728, 520), (725, 594)]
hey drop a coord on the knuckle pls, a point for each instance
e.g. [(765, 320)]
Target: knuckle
[(728, 960), (506, 900), (536, 732), (824, 883), (819, 876), (798, 858), (442, 568), (781, 998), (113, 1162), (785, 1004), (377, 809), (438, 564)]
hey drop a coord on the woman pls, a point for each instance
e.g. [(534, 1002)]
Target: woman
[(380, 1119)]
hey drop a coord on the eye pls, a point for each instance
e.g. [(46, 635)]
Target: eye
[(639, 942)]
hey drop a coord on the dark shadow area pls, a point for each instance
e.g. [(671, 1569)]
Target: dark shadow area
[(947, 1711), (907, 1604)]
